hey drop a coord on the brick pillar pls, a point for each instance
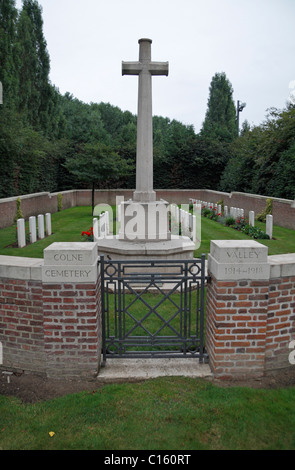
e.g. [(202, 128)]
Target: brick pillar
[(237, 301), (71, 306)]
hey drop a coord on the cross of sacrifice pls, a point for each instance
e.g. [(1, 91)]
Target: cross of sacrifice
[(1, 93), (145, 68)]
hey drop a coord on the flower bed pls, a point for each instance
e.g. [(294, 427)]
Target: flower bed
[(240, 223)]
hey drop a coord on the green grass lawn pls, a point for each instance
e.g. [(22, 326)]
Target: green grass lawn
[(163, 414), (171, 413), (69, 224), (283, 239)]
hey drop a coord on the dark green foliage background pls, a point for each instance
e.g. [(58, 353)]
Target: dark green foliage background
[(53, 142)]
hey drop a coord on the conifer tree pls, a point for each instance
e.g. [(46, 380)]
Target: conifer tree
[(8, 52), (220, 119), (36, 93)]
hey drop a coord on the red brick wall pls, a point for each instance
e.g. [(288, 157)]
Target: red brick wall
[(249, 326), (281, 322), (72, 329), (35, 204), (236, 321), (50, 329), (21, 324), (283, 209), (55, 329)]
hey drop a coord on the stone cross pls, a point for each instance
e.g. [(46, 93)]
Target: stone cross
[(1, 93), (144, 68)]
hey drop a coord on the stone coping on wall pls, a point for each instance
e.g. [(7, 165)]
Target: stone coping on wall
[(123, 190), (291, 202), (282, 265), (35, 195), (13, 267)]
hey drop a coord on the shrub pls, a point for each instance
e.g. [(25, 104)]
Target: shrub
[(255, 232), (267, 211), (18, 214), (59, 202), (229, 221), (206, 212), (221, 203)]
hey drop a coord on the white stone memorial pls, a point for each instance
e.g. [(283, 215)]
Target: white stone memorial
[(41, 229), (70, 262), (238, 259), (144, 229), (48, 224), (33, 229), (252, 218), (269, 225), (95, 228), (145, 69), (21, 233)]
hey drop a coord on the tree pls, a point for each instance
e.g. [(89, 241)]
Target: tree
[(8, 52), (36, 93), (96, 163), (220, 119), (262, 160)]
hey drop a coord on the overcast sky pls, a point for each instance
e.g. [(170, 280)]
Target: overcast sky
[(252, 41)]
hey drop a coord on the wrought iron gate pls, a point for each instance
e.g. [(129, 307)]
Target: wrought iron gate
[(153, 308)]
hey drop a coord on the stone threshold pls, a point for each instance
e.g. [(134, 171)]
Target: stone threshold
[(120, 369)]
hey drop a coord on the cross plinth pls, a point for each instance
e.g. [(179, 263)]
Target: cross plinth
[(145, 69)]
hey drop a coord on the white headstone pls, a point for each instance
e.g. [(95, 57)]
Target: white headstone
[(48, 224), (177, 212), (33, 229), (194, 228), (269, 225), (95, 229), (21, 233), (41, 231), (107, 218), (102, 225), (225, 211), (252, 218)]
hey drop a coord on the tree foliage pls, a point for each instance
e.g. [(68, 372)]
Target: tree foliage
[(263, 158), (220, 120), (53, 142)]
